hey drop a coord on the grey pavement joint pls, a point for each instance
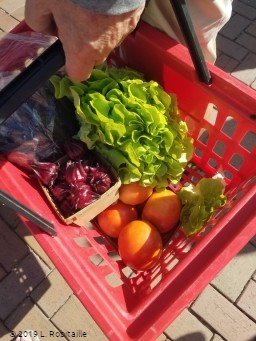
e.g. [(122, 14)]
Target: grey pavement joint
[(244, 71), (29, 317), (188, 328), (239, 271), (72, 316), (245, 8), (223, 316), (231, 48), (48, 295), (247, 300), (10, 241), (20, 282)]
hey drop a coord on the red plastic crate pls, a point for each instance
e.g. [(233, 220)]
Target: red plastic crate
[(139, 306)]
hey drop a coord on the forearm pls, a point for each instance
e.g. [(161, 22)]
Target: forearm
[(110, 7)]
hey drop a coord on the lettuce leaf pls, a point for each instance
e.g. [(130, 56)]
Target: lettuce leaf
[(132, 122), (200, 202)]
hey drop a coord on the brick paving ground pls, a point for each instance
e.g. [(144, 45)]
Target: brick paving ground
[(33, 295)]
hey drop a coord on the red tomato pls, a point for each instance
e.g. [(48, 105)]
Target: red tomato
[(140, 245), (134, 193), (163, 210), (115, 217)]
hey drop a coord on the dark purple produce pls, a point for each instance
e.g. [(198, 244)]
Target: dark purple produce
[(75, 149), (46, 172), (75, 172)]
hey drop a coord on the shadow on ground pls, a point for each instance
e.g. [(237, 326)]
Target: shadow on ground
[(21, 271)]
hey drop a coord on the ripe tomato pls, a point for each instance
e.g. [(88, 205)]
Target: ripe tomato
[(140, 245), (115, 217), (134, 193), (163, 209)]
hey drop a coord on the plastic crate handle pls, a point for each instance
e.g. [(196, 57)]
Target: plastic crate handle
[(188, 31), (18, 207), (15, 93)]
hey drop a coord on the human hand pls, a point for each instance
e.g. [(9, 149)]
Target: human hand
[(87, 37)]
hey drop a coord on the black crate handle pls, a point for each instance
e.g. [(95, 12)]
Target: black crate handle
[(18, 207), (188, 31), (15, 93)]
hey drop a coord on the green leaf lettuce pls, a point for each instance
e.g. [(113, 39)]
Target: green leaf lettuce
[(200, 202), (133, 123)]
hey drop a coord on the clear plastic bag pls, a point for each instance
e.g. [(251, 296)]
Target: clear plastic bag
[(37, 129), (18, 50)]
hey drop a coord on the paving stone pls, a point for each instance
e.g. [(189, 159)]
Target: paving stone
[(226, 63), (187, 327), (216, 337), (253, 85), (20, 283), (249, 2), (73, 316), (251, 29), (247, 41), (29, 317), (4, 333), (245, 9), (223, 316), (233, 278), (2, 273), (253, 241), (162, 337), (247, 301), (245, 72), (234, 26), (19, 14), (30, 240), (9, 216), (7, 23), (231, 48), (12, 249), (50, 299), (11, 6)]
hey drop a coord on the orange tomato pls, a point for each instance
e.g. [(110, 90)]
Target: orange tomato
[(163, 210), (115, 217), (134, 193), (140, 245)]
